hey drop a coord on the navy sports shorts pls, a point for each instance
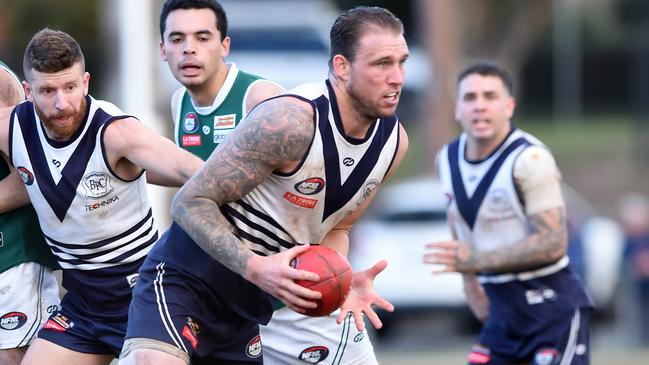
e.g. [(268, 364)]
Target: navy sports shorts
[(178, 308), (564, 342), (94, 311)]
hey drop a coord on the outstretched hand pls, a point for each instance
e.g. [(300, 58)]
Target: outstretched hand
[(362, 296), (449, 256), (274, 275)]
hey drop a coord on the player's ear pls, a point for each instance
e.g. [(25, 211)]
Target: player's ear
[(28, 91), (510, 105), (86, 82), (341, 66), (225, 46), (163, 51)]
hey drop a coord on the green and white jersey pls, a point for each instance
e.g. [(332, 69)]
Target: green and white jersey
[(21, 239), (200, 130)]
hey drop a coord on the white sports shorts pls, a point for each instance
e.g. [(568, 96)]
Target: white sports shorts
[(28, 295), (291, 338)]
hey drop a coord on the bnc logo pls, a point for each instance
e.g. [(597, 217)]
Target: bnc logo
[(12, 320), (97, 184)]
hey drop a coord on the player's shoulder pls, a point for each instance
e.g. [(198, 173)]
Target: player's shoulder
[(106, 106)]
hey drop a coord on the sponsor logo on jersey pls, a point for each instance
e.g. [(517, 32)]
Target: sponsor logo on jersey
[(253, 349), (310, 186), (26, 175), (498, 201), (97, 185), (101, 204), (13, 320), (227, 121), (538, 296), (191, 331), (300, 201), (220, 136), (206, 130), (370, 186), (189, 140), (348, 161), (479, 355), (132, 280), (546, 357), (58, 323), (190, 122), (314, 354), (359, 337)]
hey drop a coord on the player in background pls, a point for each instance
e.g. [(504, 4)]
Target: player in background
[(276, 184), (507, 215), (29, 292), (215, 96), (82, 162)]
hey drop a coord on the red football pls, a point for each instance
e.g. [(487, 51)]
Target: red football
[(335, 277)]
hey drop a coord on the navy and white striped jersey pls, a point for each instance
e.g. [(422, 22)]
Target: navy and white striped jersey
[(91, 218), (486, 212), (335, 177)]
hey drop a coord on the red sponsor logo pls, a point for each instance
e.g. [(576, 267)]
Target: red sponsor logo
[(254, 347), (58, 323), (191, 140), (224, 121), (189, 335), (300, 201)]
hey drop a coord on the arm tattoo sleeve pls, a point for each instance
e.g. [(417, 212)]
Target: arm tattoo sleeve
[(546, 243), (276, 133)]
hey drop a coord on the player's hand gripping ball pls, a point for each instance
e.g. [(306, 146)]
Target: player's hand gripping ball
[(335, 277)]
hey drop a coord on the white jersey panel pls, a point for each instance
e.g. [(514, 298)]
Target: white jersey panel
[(335, 177), (91, 218), (499, 218)]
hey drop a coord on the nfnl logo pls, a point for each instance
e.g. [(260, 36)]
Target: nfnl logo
[(97, 184), (12, 320), (315, 354), (310, 186), (254, 347)]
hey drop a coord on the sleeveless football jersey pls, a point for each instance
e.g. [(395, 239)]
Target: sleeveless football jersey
[(200, 130), (91, 218), (486, 213), (335, 177)]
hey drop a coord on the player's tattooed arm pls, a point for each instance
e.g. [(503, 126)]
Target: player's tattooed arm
[(546, 243), (276, 135)]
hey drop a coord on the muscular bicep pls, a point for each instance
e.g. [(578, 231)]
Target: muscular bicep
[(275, 135), (550, 228)]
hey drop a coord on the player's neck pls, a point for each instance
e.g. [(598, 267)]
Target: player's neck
[(204, 95), (354, 123), (480, 149)]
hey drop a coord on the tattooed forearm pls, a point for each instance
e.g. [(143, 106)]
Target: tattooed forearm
[(546, 244), (277, 133)]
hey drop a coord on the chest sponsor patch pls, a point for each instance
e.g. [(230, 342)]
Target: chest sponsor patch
[(189, 140), (26, 175), (13, 320), (190, 122), (253, 349), (310, 186), (97, 185), (227, 121), (221, 135), (300, 201), (314, 354)]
